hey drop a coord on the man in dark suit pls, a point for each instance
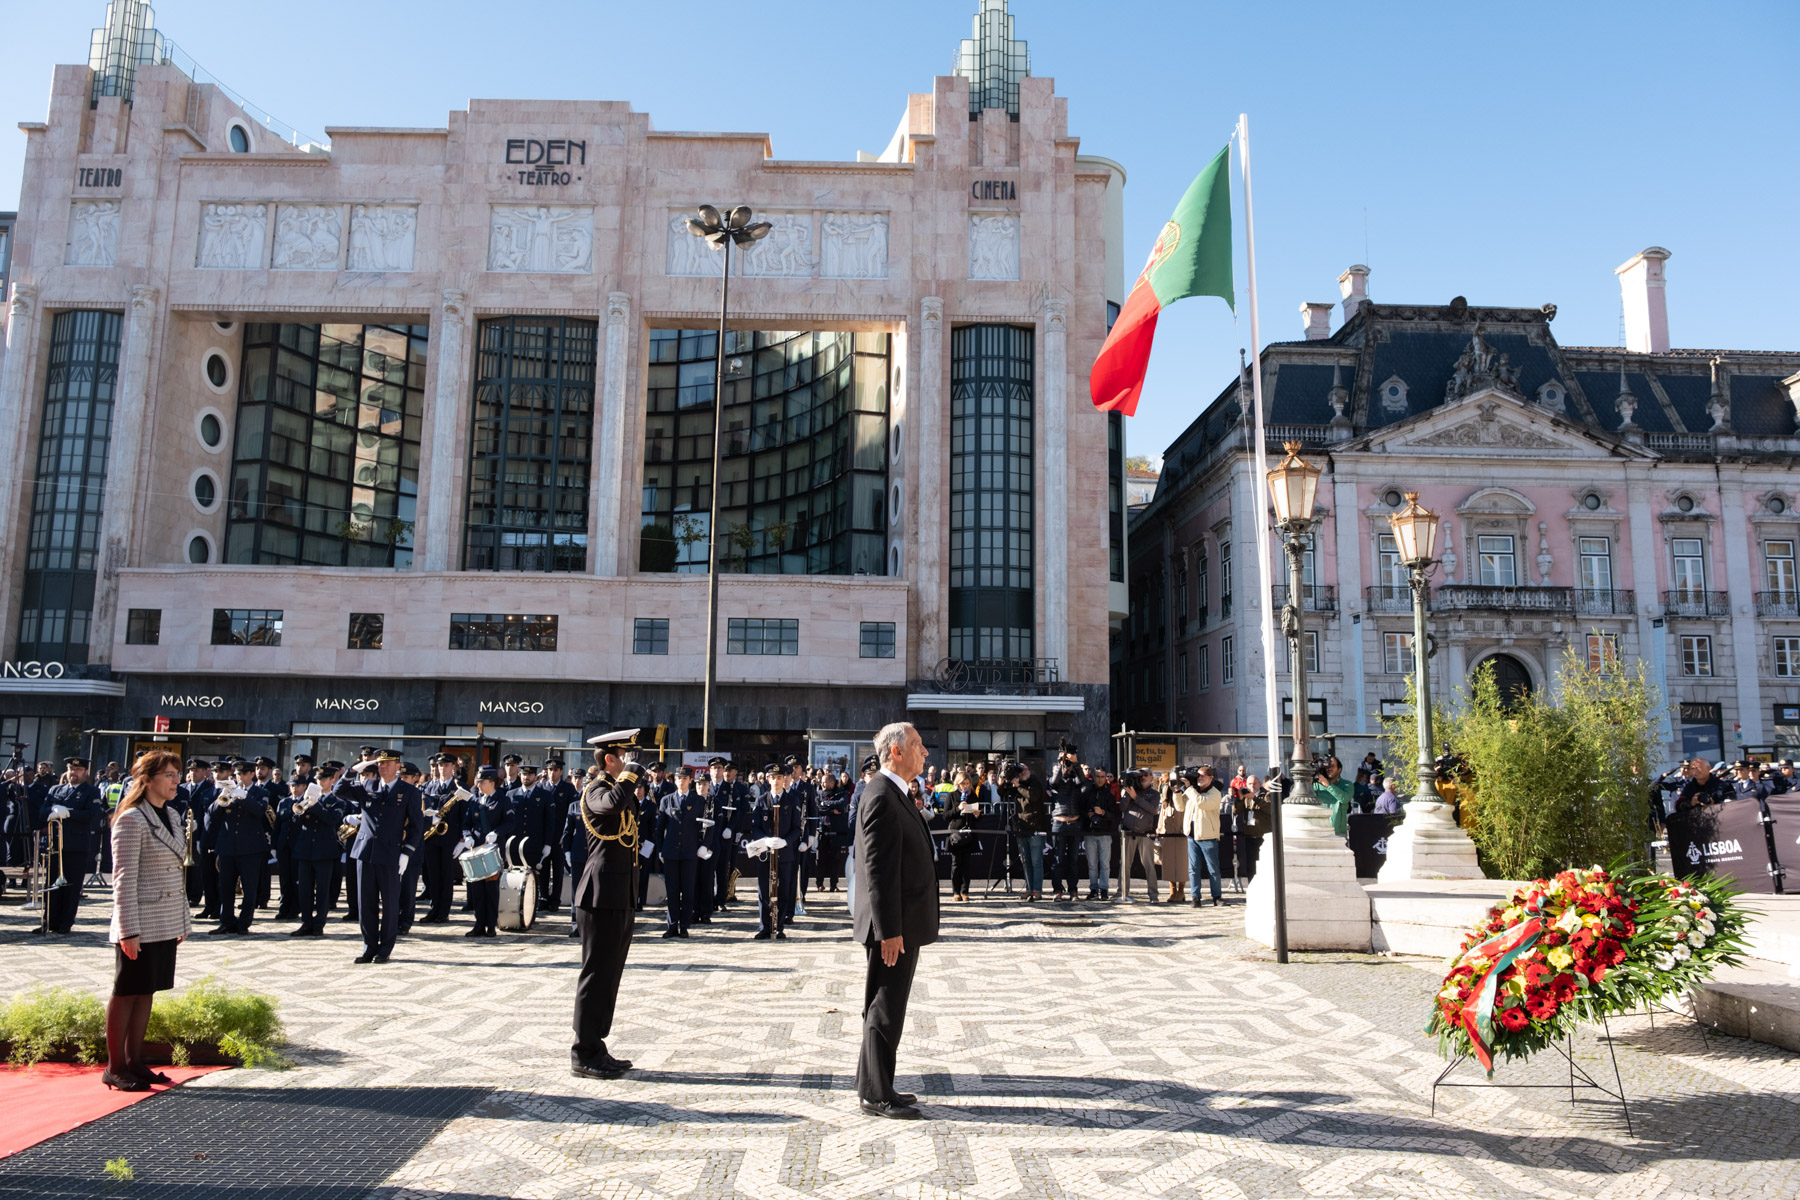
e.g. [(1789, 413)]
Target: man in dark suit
[(896, 893), (604, 900)]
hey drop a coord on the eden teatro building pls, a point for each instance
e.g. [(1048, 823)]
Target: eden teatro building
[(411, 434)]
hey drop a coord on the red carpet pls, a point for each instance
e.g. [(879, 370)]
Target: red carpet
[(51, 1098)]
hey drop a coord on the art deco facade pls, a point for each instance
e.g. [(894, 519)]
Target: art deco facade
[(1638, 502), (413, 431)]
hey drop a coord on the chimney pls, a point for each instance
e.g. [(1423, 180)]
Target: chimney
[(1354, 284), (1317, 318), (1646, 302)]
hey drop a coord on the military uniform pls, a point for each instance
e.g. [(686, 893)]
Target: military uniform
[(603, 900), (437, 850), (313, 821), (558, 795), (487, 820), (238, 825), (678, 841), (392, 820), (82, 830)]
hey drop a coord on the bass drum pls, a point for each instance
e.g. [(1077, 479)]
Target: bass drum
[(518, 900)]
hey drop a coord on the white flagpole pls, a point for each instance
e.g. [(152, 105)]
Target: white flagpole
[(1260, 488)]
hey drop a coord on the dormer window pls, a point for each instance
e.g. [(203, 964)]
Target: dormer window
[(1552, 395), (1393, 395)]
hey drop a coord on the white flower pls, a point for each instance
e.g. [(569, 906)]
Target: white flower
[(1682, 953), (1679, 923), (1665, 962), (1696, 939), (1570, 921), (1707, 927)]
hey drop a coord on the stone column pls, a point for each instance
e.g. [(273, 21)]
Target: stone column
[(612, 416), (15, 424), (927, 441), (1327, 908), (1054, 572), (124, 467), (1429, 845), (449, 411)]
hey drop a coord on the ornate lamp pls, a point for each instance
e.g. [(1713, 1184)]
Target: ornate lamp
[(1293, 486), (1415, 531)]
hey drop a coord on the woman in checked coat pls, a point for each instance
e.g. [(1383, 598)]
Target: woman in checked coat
[(150, 914)]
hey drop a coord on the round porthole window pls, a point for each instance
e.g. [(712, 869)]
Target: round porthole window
[(205, 491), (240, 141), (1591, 502), (1393, 392), (218, 371), (894, 560), (1777, 504), (211, 431), (227, 328), (198, 550), (894, 506), (1685, 504), (1391, 498)]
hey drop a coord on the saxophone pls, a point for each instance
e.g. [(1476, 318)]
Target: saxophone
[(440, 824)]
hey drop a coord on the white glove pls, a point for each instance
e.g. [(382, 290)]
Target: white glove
[(492, 838), (313, 791), (58, 812), (354, 819), (404, 859), (569, 860), (727, 834), (466, 845), (703, 852), (648, 848), (545, 856), (431, 813)]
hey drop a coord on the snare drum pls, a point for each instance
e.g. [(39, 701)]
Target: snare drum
[(518, 900), (480, 864)]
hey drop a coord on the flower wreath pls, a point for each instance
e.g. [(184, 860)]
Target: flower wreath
[(1581, 946)]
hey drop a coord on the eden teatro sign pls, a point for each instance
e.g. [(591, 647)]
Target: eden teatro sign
[(541, 157)]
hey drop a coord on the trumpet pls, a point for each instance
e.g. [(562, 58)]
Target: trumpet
[(191, 826)]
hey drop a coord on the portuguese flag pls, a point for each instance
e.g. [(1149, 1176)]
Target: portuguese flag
[(1192, 257)]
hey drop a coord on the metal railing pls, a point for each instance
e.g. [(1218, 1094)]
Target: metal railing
[(1460, 596), (1605, 602), (1691, 443), (1778, 604), (1310, 435), (1687, 603), (1317, 597), (1388, 597)]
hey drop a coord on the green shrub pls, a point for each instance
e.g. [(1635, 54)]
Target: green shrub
[(243, 1024), (51, 1020)]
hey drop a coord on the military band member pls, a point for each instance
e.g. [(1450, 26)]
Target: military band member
[(239, 823), (443, 798), (558, 793), (711, 833), (313, 821), (603, 901), (793, 798), (678, 841), (574, 845), (389, 825), (272, 793), (78, 806), (510, 777), (770, 862), (409, 878), (656, 785), (487, 820), (730, 809), (196, 795)]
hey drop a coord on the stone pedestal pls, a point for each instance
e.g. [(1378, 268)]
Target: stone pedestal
[(1326, 908), (1429, 845)]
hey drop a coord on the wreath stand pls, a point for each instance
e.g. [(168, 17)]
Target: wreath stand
[(1579, 1079)]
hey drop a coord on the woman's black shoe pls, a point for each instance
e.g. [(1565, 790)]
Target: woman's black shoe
[(123, 1083)]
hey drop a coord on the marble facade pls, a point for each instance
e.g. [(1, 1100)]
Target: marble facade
[(445, 227)]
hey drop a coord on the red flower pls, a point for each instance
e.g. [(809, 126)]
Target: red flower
[(1610, 952), (1553, 938), (1540, 1006), (1598, 973), (1564, 988), (1513, 1019)]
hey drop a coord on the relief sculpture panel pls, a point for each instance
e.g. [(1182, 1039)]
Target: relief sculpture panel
[(994, 247), (690, 255), (382, 237), (786, 251), (548, 239), (232, 236), (308, 237), (93, 233), (854, 246)]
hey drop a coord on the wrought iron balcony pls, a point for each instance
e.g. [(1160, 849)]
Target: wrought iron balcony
[(1388, 597), (1778, 604), (1319, 597), (1694, 603), (1605, 602), (1457, 597), (998, 677)]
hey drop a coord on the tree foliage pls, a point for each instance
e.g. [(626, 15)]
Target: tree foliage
[(1558, 782)]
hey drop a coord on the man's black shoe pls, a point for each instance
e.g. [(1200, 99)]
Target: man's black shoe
[(893, 1111), (594, 1070), (380, 958), (683, 933), (303, 931), (763, 936), (364, 958), (671, 933), (476, 932), (906, 1098), (780, 935), (223, 930)]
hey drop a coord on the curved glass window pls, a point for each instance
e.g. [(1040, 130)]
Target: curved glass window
[(326, 467), (534, 424), (210, 430), (216, 370), (204, 491), (198, 551), (240, 140), (803, 475), (992, 491)]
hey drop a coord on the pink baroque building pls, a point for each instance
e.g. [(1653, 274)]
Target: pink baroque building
[(1639, 502)]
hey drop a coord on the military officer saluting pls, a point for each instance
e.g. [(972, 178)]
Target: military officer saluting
[(678, 838), (604, 899), (389, 823)]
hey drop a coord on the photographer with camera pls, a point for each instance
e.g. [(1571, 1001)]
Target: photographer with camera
[(1702, 787), (965, 810), (1138, 811), (1102, 814), (1200, 822), (1026, 791), (1066, 787)]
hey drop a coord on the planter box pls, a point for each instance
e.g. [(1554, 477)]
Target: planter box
[(156, 1054)]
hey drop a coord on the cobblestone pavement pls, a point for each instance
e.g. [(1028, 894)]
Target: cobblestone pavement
[(1085, 1051)]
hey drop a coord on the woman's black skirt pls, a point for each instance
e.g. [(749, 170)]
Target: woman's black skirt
[(153, 970)]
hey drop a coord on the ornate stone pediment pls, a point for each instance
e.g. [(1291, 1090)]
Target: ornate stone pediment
[(1488, 429)]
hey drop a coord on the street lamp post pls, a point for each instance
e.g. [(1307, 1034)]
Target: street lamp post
[(1293, 487), (721, 232), (1415, 535)]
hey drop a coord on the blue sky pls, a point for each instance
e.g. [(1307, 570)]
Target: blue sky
[(1512, 153)]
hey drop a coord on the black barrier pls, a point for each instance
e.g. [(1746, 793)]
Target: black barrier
[(1369, 833), (1727, 840), (1784, 837)]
